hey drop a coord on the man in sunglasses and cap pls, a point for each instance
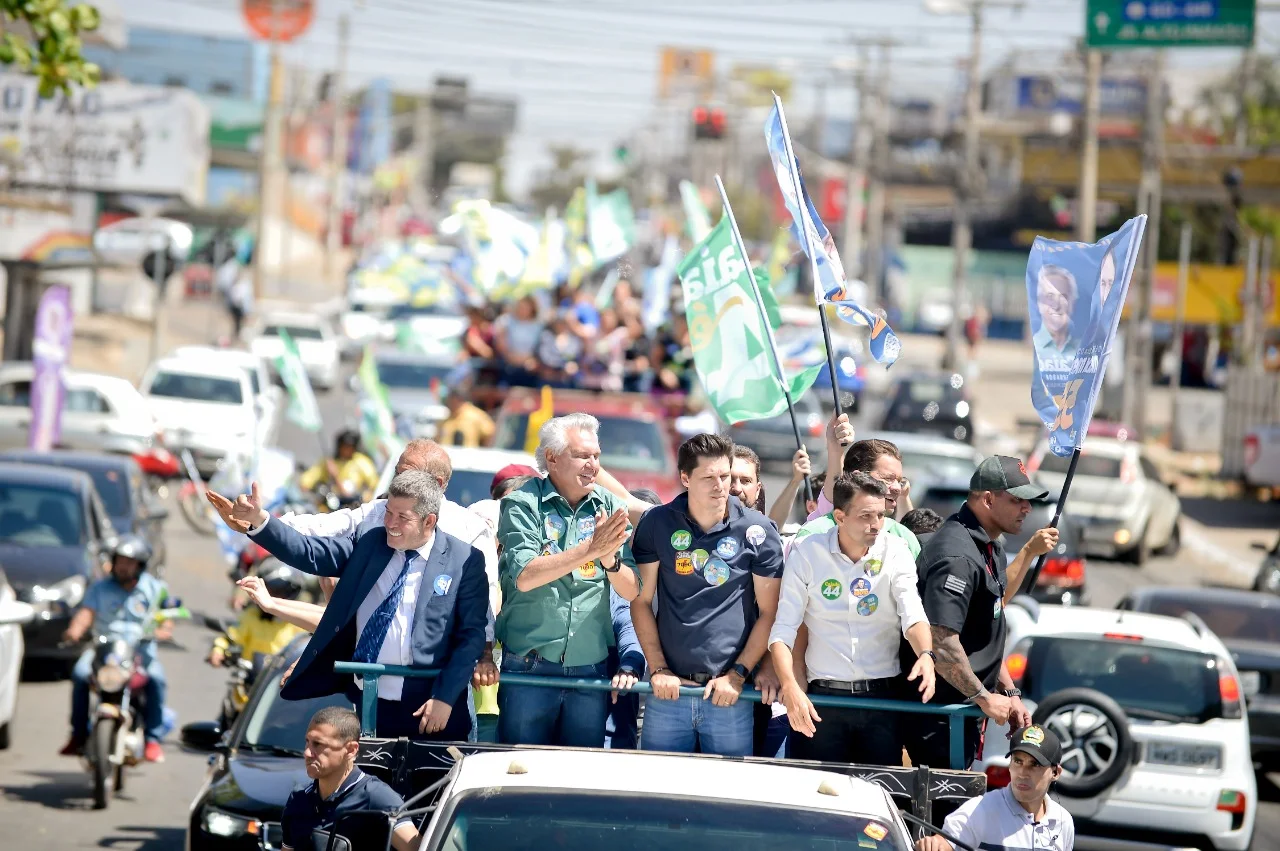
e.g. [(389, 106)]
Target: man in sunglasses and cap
[(1021, 815)]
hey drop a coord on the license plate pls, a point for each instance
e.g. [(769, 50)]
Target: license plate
[(1250, 682), (1184, 755)]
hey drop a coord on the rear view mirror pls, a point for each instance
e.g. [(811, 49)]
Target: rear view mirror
[(202, 735)]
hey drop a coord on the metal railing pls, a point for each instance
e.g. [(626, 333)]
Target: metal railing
[(956, 712)]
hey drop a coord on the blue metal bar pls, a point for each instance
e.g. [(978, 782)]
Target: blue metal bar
[(370, 671)]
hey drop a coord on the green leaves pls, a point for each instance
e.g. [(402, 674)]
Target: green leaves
[(55, 57)]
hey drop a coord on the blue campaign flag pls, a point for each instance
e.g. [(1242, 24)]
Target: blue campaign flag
[(1075, 295), (829, 282)]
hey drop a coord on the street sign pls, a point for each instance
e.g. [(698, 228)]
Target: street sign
[(1169, 23), (278, 20)]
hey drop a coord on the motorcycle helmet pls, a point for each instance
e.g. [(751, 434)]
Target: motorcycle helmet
[(134, 547), (346, 437), (282, 582)]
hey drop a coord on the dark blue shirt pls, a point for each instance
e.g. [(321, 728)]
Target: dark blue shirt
[(305, 811), (706, 594)]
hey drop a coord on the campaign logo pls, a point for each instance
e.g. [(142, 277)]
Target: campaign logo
[(684, 563), (586, 526), (831, 589), (588, 570), (862, 587), (442, 584), (727, 547), (700, 559), (554, 526), (868, 604), (873, 566), (755, 535), (681, 539), (716, 572)]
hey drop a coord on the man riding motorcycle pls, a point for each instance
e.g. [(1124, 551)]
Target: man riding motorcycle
[(121, 606), (258, 632), (350, 474)]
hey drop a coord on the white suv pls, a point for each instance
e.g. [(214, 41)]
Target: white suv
[(1154, 738)]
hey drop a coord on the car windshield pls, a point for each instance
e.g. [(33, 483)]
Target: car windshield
[(538, 820), (1101, 466), (297, 332), (945, 501), (280, 723), (929, 391), (468, 486), (1227, 619), (114, 490), (402, 374), (1164, 680), (635, 446), (404, 312), (916, 464), (197, 388), (254, 387), (33, 516)]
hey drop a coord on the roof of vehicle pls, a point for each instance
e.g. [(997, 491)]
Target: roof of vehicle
[(26, 369), (927, 376), (1083, 621), (928, 443), (1106, 447), (1228, 596), (239, 357), (301, 320), (14, 473), (522, 400), (392, 354), (482, 460), (691, 777), (189, 366), (73, 459)]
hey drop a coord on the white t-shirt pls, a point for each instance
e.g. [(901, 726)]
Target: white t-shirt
[(997, 822)]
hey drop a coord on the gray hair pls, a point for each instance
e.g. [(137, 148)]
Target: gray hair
[(553, 437), (420, 487)]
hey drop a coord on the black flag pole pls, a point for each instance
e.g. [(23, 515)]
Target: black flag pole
[(764, 320), (1029, 583)]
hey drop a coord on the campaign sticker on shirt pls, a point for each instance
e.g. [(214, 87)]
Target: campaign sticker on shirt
[(586, 526), (588, 570), (873, 566), (831, 589), (999, 608), (868, 604), (681, 539), (727, 547), (554, 526), (862, 587), (875, 831), (684, 563), (755, 535), (716, 572), (442, 584), (700, 559), (550, 548)]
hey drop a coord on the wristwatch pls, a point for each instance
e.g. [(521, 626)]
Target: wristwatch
[(741, 670), (930, 654), (1012, 692)]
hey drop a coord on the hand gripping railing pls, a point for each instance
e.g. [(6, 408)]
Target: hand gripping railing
[(371, 672)]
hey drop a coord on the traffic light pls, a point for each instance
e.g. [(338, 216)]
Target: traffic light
[(708, 123)]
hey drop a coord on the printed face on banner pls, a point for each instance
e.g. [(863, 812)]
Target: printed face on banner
[(1075, 295)]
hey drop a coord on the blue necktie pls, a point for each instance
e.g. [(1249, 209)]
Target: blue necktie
[(375, 631)]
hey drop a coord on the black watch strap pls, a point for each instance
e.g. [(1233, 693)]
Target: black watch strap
[(741, 670)]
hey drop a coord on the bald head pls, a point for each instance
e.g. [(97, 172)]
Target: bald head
[(427, 456)]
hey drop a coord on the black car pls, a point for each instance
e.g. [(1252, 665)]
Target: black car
[(255, 765), (1248, 623), (1062, 579), (54, 537), (1268, 578), (122, 487), (930, 403)]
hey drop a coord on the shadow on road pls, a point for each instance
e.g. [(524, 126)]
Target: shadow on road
[(1234, 513), (145, 838), (1268, 791), (56, 790)]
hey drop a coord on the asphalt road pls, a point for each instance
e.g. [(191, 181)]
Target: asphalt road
[(45, 799)]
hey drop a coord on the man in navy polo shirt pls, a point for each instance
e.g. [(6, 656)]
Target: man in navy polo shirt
[(715, 567), (338, 788)]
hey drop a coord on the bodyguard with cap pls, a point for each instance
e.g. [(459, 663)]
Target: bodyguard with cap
[(1021, 815), (963, 582)]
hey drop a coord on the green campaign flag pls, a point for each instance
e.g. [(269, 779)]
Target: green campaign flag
[(377, 423), (730, 341), (302, 410), (767, 297), (611, 224), (697, 219)]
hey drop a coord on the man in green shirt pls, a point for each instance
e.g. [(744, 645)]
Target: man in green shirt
[(564, 543)]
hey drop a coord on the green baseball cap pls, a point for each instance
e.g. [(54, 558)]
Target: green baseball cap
[(1002, 473)]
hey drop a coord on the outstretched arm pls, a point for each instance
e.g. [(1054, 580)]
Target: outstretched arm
[(317, 556)]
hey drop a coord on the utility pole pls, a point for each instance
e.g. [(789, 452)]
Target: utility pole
[(338, 165), (424, 155), (859, 152), (1087, 197), (1179, 323), (1248, 67), (269, 156), (1138, 344), (879, 174)]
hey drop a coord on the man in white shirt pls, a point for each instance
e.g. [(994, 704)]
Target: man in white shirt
[(1020, 816), (854, 589)]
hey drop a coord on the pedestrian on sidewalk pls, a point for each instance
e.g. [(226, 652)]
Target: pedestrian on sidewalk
[(240, 299)]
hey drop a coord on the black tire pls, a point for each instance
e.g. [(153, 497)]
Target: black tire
[(1141, 552), (1093, 759), (1174, 543), (5, 735), (104, 734)]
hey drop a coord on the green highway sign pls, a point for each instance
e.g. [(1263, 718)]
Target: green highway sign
[(1169, 23)]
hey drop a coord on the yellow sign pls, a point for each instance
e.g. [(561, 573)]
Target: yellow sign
[(686, 68), (1215, 295), (759, 83), (1120, 166)]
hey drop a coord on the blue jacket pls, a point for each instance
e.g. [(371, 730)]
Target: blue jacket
[(448, 629)]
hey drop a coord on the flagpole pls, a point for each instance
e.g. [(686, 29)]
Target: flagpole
[(803, 207), (1029, 583), (764, 320)]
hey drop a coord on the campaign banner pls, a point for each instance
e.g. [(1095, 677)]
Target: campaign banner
[(1075, 295), (50, 351)]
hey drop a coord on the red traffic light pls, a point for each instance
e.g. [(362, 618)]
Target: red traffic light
[(708, 123)]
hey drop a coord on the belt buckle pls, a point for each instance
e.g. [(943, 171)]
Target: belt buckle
[(701, 679)]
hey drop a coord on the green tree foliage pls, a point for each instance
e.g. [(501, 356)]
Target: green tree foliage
[(52, 53)]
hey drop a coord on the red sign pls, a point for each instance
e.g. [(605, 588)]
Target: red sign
[(278, 20), (834, 201)]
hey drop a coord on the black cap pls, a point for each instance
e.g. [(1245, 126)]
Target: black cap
[(1037, 742), (1002, 473)]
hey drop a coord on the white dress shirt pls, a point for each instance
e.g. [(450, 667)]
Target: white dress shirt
[(855, 611), (397, 647), (454, 520)]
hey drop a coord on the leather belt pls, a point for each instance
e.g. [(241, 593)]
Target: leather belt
[(701, 679), (855, 686)]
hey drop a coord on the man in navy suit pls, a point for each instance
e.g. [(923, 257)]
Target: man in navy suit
[(411, 595)]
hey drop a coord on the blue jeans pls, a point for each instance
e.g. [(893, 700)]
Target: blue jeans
[(153, 698), (694, 725), (529, 715)]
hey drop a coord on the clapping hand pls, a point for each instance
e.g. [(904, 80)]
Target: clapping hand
[(609, 535)]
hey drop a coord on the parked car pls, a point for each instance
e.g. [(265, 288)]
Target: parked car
[(1155, 739), (361, 323), (121, 487), (473, 471), (1249, 625), (1268, 578), (927, 458), (415, 385), (774, 439), (268, 397), (14, 614), (1262, 457), (635, 444), (205, 407), (54, 541), (930, 403), (1126, 510), (100, 413), (441, 323), (317, 344)]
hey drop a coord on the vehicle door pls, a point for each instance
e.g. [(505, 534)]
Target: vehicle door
[(15, 412), (149, 513), (1163, 501), (100, 533), (88, 421)]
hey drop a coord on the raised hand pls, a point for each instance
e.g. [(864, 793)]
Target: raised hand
[(223, 506), (248, 508)]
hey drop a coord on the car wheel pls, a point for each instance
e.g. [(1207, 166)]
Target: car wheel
[(1141, 552), (1096, 745), (5, 738), (1174, 543)]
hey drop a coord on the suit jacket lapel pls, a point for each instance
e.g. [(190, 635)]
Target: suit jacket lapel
[(380, 556), (435, 563)]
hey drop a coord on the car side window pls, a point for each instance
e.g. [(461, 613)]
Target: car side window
[(101, 520), (1149, 470), (86, 401), (16, 394)]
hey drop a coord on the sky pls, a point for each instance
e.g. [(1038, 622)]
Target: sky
[(585, 71)]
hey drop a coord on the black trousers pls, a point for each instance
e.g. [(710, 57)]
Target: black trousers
[(928, 740), (861, 736), (395, 718)]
